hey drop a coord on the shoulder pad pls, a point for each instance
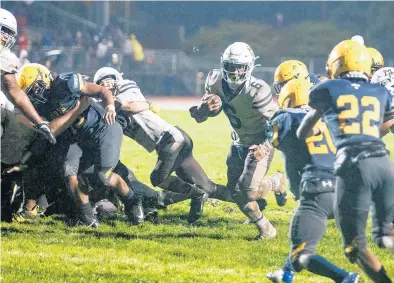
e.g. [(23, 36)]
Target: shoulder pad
[(125, 85), (212, 78), (9, 62), (75, 81)]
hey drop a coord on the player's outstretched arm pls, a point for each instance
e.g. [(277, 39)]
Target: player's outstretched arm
[(91, 89), (22, 101), (62, 123), (139, 106), (20, 98), (306, 128)]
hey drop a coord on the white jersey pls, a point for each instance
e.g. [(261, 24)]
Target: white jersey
[(9, 64), (15, 137), (248, 110), (146, 127)]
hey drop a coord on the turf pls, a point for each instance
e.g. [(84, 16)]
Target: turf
[(217, 249)]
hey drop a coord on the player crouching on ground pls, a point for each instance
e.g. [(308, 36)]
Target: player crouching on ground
[(353, 110), (309, 166), (248, 104), (173, 146), (94, 139)]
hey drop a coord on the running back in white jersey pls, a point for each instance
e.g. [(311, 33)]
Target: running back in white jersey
[(146, 127), (247, 110)]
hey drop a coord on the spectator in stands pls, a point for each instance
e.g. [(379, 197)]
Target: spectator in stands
[(138, 53), (23, 57), (78, 50), (24, 42), (47, 38), (101, 52)]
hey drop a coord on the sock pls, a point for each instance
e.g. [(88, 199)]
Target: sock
[(171, 197), (128, 198), (377, 276), (321, 266)]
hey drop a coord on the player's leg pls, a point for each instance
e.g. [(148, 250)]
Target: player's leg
[(353, 202), (174, 146), (106, 155), (76, 187), (381, 170), (306, 229)]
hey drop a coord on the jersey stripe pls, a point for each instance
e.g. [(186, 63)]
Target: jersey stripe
[(127, 86), (264, 103)]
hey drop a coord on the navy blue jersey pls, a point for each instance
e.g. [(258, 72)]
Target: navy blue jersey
[(64, 93), (353, 109), (304, 160)]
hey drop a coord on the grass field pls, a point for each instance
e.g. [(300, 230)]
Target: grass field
[(217, 249)]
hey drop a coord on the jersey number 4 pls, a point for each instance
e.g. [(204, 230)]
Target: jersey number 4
[(351, 102)]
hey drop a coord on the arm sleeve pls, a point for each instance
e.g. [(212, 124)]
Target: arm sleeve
[(264, 103), (320, 98), (278, 128)]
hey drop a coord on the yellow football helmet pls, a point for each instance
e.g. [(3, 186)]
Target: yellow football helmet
[(288, 70), (34, 79), (294, 94), (377, 59), (349, 58)]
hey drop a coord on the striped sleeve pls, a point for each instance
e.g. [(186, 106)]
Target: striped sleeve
[(264, 103), (127, 92)]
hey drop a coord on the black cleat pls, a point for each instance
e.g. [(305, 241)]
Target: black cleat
[(151, 215), (89, 221), (135, 212), (196, 207)]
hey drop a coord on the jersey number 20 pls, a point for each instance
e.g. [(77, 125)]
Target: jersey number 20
[(321, 144), (353, 112)]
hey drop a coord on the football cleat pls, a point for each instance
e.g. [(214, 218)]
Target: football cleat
[(89, 221), (23, 215), (352, 278), (151, 215), (196, 207), (280, 189), (281, 276), (267, 231), (135, 212)]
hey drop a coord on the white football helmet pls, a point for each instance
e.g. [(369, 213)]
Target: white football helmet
[(385, 77), (107, 77), (8, 28), (237, 63)]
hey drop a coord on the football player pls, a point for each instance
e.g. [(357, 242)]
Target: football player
[(99, 136), (377, 59), (385, 77), (310, 167), (353, 110), (248, 104), (173, 146), (10, 91)]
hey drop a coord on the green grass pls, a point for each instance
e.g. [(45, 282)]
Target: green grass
[(216, 250)]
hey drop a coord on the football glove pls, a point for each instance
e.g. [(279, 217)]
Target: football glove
[(43, 129)]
